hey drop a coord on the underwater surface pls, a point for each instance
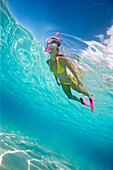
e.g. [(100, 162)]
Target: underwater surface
[(40, 127)]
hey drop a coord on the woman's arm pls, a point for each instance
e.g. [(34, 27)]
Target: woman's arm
[(57, 80), (47, 61), (69, 65)]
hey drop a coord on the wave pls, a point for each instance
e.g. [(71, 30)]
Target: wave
[(31, 98)]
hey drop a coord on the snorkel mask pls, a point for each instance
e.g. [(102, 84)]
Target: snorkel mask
[(51, 45)]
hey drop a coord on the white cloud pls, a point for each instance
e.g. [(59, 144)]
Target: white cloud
[(100, 52)]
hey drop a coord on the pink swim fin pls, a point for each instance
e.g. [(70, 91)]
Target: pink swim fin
[(91, 104), (82, 101)]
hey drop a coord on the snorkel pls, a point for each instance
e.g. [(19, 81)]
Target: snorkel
[(54, 37), (50, 45)]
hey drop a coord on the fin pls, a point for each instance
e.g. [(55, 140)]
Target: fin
[(83, 102), (91, 104)]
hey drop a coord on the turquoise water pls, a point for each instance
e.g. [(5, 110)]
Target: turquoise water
[(40, 127)]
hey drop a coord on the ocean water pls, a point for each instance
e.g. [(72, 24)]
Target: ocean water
[(40, 127)]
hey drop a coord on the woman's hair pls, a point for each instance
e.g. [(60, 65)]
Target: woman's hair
[(55, 42)]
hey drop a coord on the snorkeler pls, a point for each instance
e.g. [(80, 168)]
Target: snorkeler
[(58, 64)]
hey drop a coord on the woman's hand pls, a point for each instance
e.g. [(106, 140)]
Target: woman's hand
[(80, 83), (58, 82)]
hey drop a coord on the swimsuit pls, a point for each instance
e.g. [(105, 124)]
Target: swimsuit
[(61, 70), (72, 81)]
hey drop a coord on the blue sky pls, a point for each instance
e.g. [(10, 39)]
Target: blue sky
[(83, 19)]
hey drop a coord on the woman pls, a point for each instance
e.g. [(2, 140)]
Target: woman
[(58, 64)]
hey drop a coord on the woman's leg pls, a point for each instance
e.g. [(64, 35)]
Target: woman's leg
[(67, 91), (80, 89)]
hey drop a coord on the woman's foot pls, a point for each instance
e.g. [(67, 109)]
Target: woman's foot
[(82, 102)]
